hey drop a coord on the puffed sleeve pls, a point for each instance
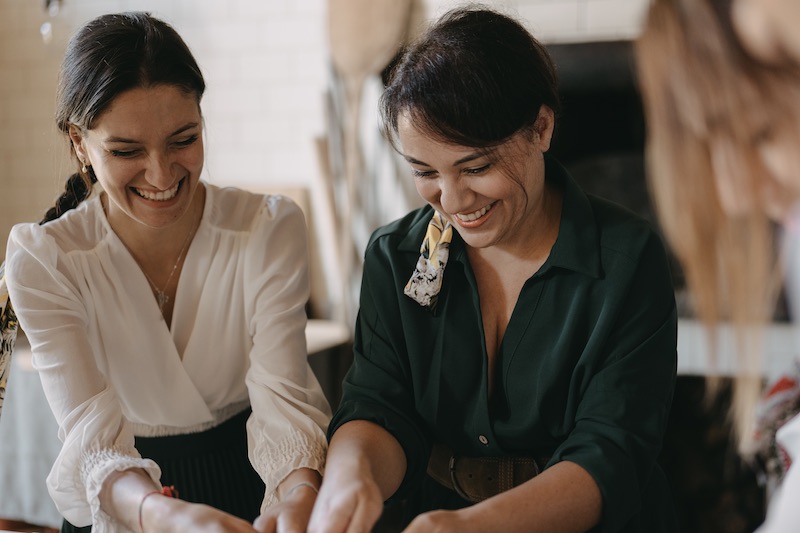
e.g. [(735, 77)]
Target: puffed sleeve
[(290, 412), (622, 415), (47, 291)]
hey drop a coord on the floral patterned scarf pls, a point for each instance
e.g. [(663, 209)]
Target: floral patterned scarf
[(426, 281)]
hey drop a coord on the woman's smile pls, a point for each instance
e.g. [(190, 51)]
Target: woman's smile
[(159, 196), (474, 219)]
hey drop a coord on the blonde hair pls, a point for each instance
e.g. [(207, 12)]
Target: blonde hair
[(700, 87)]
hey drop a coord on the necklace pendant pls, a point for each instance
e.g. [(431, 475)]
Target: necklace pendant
[(162, 299)]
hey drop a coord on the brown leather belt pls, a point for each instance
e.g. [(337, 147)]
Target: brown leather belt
[(478, 478)]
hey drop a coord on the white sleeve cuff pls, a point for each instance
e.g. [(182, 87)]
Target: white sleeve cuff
[(96, 466)]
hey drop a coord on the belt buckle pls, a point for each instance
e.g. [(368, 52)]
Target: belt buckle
[(452, 468)]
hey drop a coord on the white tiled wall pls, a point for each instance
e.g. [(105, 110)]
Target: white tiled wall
[(265, 62), (569, 20)]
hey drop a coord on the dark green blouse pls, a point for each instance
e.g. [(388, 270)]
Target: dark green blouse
[(585, 371)]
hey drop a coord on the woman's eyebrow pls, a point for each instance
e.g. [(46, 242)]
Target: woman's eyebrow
[(467, 158), (461, 161), (414, 161), (173, 134)]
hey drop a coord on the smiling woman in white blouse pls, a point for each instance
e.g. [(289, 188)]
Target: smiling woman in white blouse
[(166, 316)]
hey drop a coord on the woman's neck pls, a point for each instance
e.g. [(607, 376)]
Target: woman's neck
[(531, 246), (156, 249)]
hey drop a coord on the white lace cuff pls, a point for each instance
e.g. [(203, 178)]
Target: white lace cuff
[(96, 466), (274, 460)]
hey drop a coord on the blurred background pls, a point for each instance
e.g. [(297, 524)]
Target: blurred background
[(290, 107)]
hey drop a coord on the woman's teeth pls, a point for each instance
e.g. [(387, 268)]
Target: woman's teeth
[(159, 196), (471, 217)]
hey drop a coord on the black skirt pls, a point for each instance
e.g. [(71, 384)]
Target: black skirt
[(211, 467)]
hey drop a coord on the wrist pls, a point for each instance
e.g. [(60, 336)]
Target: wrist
[(169, 492), (305, 488)]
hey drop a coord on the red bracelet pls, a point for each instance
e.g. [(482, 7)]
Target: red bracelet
[(169, 491)]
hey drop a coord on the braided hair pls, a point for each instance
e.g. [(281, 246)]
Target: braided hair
[(77, 189), (109, 55)]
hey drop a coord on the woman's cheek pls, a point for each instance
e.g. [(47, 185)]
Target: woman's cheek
[(427, 189)]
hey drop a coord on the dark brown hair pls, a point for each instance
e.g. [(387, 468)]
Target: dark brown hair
[(475, 78)]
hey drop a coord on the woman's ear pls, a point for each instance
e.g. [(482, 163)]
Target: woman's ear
[(76, 137), (543, 128)]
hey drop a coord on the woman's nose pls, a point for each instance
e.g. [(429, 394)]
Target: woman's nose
[(160, 173), (453, 195)]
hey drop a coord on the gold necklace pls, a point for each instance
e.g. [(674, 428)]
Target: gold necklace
[(161, 296)]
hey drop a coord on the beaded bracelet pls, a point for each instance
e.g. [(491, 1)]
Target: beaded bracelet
[(169, 491)]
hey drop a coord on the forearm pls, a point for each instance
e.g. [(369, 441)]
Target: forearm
[(365, 466), (564, 498), (127, 496), (361, 448)]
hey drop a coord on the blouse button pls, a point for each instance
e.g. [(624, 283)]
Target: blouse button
[(483, 440)]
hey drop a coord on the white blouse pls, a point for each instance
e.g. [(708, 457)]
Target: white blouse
[(112, 369)]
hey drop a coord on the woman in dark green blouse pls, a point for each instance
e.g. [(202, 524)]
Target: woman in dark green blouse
[(515, 350)]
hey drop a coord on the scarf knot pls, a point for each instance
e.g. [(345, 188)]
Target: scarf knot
[(426, 282)]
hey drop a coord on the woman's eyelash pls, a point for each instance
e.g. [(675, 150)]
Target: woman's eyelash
[(122, 153), (129, 153), (478, 170), (187, 142), (472, 171), (422, 173)]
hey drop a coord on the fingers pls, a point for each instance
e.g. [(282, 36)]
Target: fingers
[(356, 512), (327, 517), (199, 517), (265, 523), (294, 517), (365, 516), (289, 516)]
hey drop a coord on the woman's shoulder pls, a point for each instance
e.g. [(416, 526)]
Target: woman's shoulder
[(410, 227), (597, 218), (239, 210), (619, 226), (612, 214), (78, 229), (33, 248)]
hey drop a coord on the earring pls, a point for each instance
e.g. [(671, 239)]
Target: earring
[(83, 168)]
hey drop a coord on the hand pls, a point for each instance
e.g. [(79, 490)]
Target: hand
[(173, 515), (352, 505), (439, 522), (290, 515)]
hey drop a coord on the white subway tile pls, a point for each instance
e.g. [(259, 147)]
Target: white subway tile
[(621, 18), (550, 20), (260, 9)]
